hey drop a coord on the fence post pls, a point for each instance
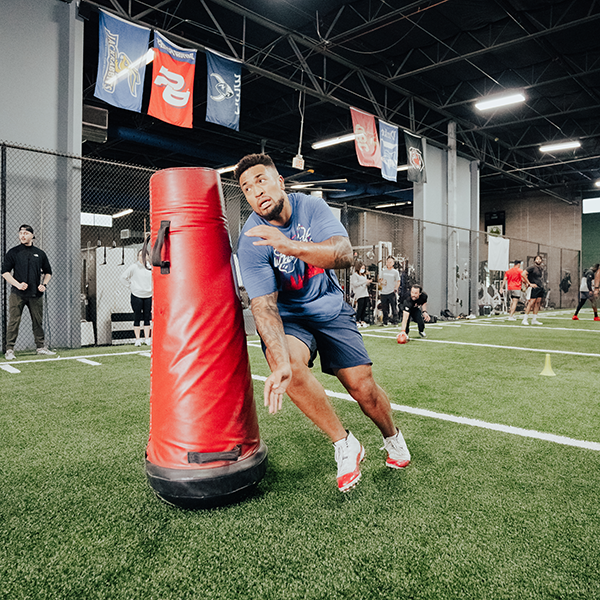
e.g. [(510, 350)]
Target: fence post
[(3, 238)]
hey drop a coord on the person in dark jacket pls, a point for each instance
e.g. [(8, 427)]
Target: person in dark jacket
[(28, 271)]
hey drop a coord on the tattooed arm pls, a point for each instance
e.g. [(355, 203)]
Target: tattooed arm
[(334, 253), (269, 326)]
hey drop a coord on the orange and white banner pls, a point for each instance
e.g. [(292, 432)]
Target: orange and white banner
[(366, 141), (171, 95)]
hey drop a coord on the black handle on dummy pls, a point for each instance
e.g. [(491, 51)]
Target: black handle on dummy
[(157, 261)]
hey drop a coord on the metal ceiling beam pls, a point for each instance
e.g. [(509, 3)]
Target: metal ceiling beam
[(493, 48)]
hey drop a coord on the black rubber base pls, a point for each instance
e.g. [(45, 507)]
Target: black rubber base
[(208, 488)]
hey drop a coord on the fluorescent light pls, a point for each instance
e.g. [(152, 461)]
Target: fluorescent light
[(301, 186), (96, 220), (597, 184), (127, 211), (591, 205), (145, 59), (332, 141), (560, 146), (497, 101), (226, 169), (402, 168), (393, 204)]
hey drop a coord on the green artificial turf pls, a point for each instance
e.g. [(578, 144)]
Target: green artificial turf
[(478, 513)]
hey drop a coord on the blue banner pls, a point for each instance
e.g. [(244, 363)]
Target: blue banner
[(223, 90), (388, 137), (121, 62)]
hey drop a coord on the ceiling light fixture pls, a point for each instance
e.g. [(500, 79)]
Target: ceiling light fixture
[(143, 60), (127, 211), (226, 169), (393, 204), (332, 141), (496, 101), (560, 146), (597, 184)]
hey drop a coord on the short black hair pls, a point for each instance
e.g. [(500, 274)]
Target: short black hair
[(251, 160), (516, 261), (416, 285)]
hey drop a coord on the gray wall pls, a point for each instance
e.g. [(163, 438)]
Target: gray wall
[(41, 43), (451, 198)]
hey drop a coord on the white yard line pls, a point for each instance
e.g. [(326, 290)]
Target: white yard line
[(511, 348), (528, 433), (77, 358), (86, 361)]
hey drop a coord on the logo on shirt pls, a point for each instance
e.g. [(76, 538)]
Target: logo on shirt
[(287, 264)]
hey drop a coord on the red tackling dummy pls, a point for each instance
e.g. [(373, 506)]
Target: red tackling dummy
[(204, 447)]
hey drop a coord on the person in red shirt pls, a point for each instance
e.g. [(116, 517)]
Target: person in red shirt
[(513, 278)]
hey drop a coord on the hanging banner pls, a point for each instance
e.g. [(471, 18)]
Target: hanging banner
[(388, 134), (498, 250), (223, 90), (366, 141), (415, 159), (121, 62), (171, 95)]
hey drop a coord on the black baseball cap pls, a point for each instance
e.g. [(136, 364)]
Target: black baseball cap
[(27, 228)]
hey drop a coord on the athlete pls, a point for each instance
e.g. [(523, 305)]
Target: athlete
[(513, 279), (287, 250), (532, 276)]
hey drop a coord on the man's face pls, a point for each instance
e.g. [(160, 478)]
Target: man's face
[(389, 263), (415, 293), (264, 190), (538, 260), (25, 237)]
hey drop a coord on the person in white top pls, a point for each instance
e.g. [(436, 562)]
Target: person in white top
[(138, 279), (390, 282), (359, 284)]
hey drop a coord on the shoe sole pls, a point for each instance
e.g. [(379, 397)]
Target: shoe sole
[(352, 484), (395, 465)]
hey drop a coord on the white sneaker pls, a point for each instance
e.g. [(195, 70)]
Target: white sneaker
[(10, 355), (398, 454), (536, 322), (148, 341), (45, 352), (525, 322), (511, 319), (138, 343), (348, 454), (422, 334)]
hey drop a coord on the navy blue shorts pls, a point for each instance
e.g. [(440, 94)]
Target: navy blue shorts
[(338, 341)]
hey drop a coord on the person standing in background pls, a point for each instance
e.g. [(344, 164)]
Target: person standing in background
[(139, 281), (359, 283), (513, 280), (533, 278), (31, 274), (390, 281), (587, 292)]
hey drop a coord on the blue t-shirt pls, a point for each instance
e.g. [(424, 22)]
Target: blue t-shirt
[(303, 290)]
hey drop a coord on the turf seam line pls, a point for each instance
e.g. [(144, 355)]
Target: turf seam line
[(528, 433)]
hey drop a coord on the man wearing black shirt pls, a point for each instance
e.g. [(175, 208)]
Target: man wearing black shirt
[(415, 308), (28, 271), (533, 278)]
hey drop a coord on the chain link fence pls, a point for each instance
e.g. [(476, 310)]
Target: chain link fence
[(91, 217)]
